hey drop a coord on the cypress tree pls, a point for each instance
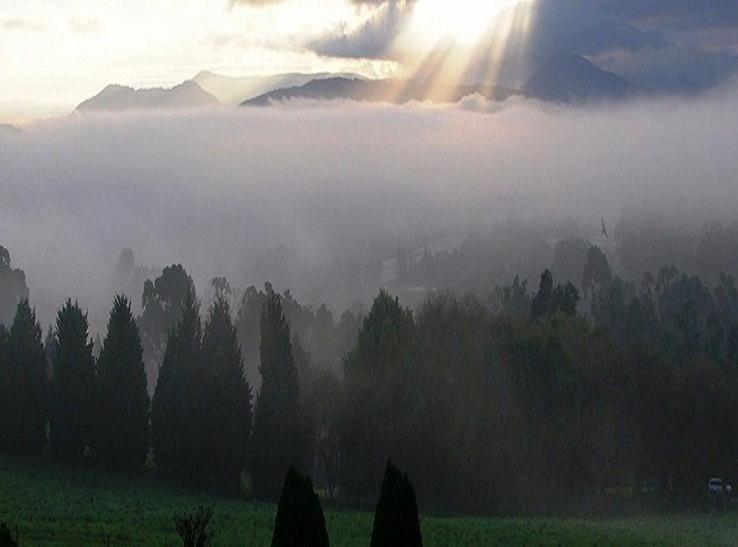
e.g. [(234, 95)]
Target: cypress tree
[(25, 384), (72, 384), (277, 443), (227, 410), (396, 518), (176, 415), (300, 519), (122, 417)]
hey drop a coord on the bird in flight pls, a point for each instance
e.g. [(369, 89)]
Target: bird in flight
[(604, 229)]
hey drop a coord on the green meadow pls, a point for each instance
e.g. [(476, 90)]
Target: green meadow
[(52, 505)]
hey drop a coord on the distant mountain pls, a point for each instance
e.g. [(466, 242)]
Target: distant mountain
[(569, 78), (572, 78), (117, 97), (388, 90), (236, 90)]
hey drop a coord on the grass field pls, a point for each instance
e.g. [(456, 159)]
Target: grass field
[(52, 505)]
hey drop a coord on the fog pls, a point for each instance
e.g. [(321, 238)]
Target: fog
[(281, 192)]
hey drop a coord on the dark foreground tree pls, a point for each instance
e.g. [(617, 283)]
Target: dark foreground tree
[(277, 441), (72, 385), (300, 519), (194, 528), (24, 385), (227, 398), (177, 408), (122, 417), (396, 518), (6, 539)]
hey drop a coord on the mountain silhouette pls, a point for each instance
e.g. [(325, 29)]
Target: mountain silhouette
[(117, 97)]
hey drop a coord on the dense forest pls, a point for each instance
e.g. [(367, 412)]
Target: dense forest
[(527, 398)]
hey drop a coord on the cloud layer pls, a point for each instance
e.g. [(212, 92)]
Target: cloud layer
[(282, 192)]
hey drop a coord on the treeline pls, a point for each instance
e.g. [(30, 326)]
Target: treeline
[(523, 400)]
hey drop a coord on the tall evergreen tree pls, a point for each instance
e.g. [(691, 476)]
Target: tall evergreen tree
[(227, 411), (122, 407), (72, 384), (277, 441), (24, 384), (378, 401), (177, 409)]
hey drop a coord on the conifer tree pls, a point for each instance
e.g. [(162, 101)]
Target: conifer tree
[(24, 384), (227, 410), (122, 418), (300, 519), (396, 518), (277, 441), (177, 407), (72, 384)]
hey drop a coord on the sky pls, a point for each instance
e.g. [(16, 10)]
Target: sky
[(55, 54)]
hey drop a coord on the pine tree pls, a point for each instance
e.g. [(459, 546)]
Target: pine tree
[(277, 441), (227, 410), (396, 518), (122, 416), (176, 415), (300, 519), (24, 384), (72, 384)]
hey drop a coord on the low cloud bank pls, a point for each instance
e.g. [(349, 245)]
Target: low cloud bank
[(283, 192)]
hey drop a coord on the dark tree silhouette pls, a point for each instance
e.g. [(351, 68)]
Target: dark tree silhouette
[(177, 420), (163, 300), (300, 519), (24, 385), (377, 398), (227, 411), (13, 287), (396, 518), (72, 385), (277, 441), (551, 300), (6, 539), (121, 437)]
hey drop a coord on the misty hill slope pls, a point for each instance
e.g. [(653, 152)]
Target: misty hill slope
[(572, 78), (117, 97), (389, 90), (232, 91)]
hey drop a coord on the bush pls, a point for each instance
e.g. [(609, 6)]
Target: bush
[(300, 519), (396, 518), (6, 539)]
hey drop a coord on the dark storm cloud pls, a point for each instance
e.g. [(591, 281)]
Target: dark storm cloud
[(373, 38), (684, 14)]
